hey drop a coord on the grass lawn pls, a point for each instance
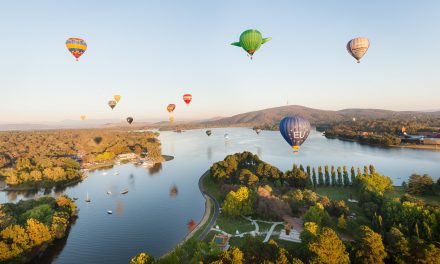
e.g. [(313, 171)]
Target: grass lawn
[(337, 193), (230, 225), (398, 192), (212, 188), (264, 226)]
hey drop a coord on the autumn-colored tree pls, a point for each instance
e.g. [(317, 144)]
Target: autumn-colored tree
[(420, 184), (317, 214), (369, 248), (397, 246), (38, 233), (142, 258), (328, 248), (238, 203)]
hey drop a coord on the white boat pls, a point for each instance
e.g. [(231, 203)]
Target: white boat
[(109, 192), (104, 173), (88, 198), (125, 191), (117, 173), (109, 212)]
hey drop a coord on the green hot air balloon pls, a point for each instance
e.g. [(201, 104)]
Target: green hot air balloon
[(251, 41)]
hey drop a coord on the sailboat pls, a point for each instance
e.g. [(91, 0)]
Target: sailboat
[(124, 191), (88, 198)]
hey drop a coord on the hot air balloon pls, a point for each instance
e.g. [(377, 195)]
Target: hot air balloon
[(130, 120), (171, 119), (191, 225), (117, 98), (83, 117), (295, 130), (258, 131), (251, 40), (112, 104), (76, 46), (171, 107), (357, 47), (226, 136), (208, 132), (187, 98), (97, 140), (174, 191)]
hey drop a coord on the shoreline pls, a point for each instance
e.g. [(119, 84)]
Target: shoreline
[(84, 176), (208, 214), (411, 146)]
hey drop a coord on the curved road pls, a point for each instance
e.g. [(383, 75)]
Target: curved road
[(216, 207)]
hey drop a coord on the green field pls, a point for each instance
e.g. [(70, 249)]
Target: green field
[(211, 187), (230, 224), (398, 192)]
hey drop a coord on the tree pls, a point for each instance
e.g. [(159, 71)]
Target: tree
[(18, 239), (320, 176), (315, 183), (328, 248), (238, 203), (370, 248), (397, 246), (375, 183), (339, 176), (309, 233), (353, 176), (37, 232), (333, 182), (142, 258), (317, 214), (327, 176), (345, 177), (342, 224), (282, 257), (420, 184)]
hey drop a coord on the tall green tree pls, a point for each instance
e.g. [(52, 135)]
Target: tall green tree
[(327, 176), (353, 176), (369, 248), (333, 172), (397, 246), (320, 176), (315, 182), (339, 176), (346, 179)]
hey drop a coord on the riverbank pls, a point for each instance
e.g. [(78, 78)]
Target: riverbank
[(408, 146), (208, 219)]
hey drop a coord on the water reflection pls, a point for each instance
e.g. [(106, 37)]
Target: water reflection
[(174, 191), (259, 152), (155, 169), (119, 207), (209, 153)]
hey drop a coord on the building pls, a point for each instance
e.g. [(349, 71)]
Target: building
[(127, 156), (222, 241)]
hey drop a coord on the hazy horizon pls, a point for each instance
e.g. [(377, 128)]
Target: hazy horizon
[(152, 53)]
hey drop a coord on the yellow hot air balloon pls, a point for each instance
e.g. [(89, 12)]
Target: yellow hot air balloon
[(357, 47), (171, 119), (83, 117), (117, 98)]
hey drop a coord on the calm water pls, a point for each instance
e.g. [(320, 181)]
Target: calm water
[(149, 219)]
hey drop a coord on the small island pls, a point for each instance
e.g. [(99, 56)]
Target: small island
[(28, 228), (329, 214)]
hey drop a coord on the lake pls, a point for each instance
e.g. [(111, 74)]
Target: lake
[(149, 218)]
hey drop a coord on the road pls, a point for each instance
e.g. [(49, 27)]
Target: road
[(216, 207)]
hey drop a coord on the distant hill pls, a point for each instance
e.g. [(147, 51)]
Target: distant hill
[(315, 116)]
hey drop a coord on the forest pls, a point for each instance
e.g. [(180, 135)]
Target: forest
[(350, 215), (49, 158), (29, 227)]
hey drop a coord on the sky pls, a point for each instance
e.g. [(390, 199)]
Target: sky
[(152, 52)]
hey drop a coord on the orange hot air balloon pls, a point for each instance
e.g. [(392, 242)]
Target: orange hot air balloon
[(187, 98), (83, 117), (171, 107)]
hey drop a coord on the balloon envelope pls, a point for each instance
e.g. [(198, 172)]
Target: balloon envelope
[(208, 132), (295, 130), (251, 40), (83, 117), (171, 107), (226, 136), (258, 131), (112, 103), (187, 98), (357, 47), (130, 120), (76, 46), (117, 98)]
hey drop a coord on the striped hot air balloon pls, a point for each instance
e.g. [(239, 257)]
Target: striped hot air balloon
[(295, 130), (251, 40), (76, 46), (187, 98), (357, 47)]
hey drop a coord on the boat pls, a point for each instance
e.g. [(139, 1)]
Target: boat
[(109, 192), (125, 191), (88, 198), (109, 212), (117, 173), (75, 198), (104, 173)]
